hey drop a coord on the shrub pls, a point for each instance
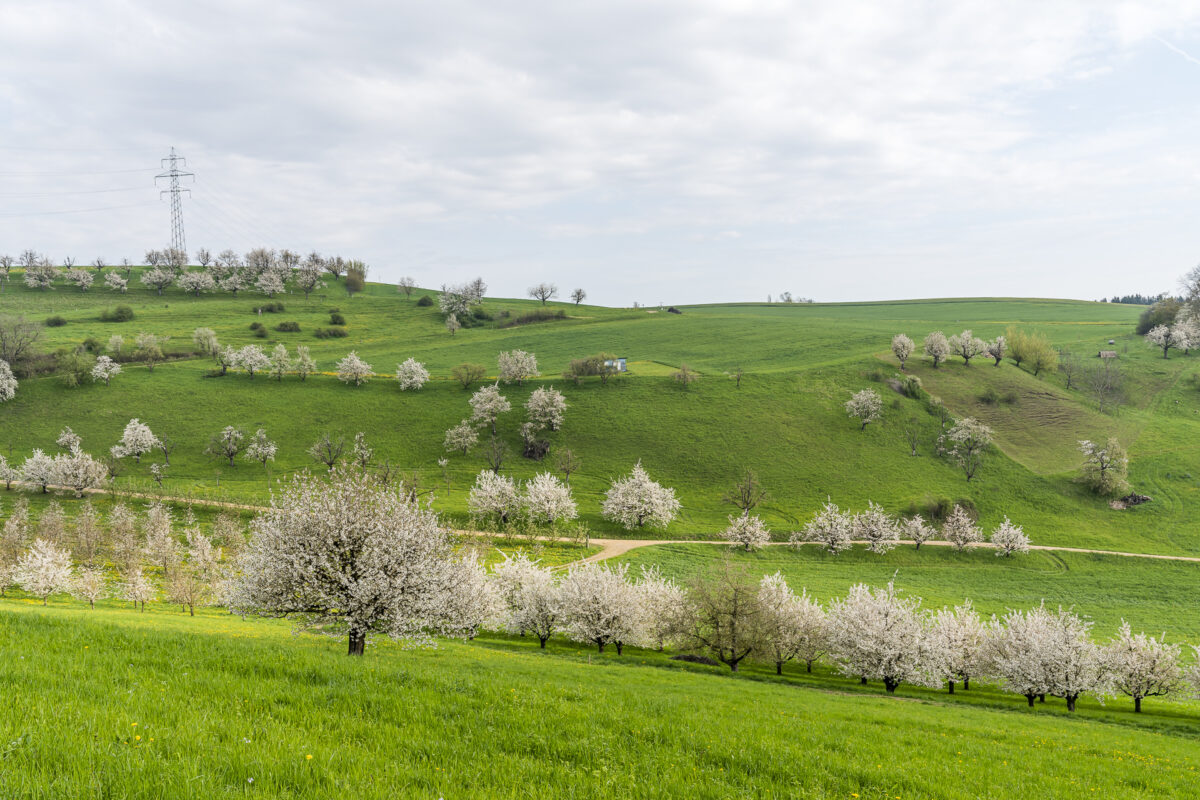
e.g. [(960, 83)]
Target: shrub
[(1010, 397), (254, 326), (269, 308), (261, 332), (330, 333), (479, 313), (990, 396), (937, 509), (118, 314), (92, 345), (55, 321), (537, 315), (288, 327), (336, 319), (425, 301)]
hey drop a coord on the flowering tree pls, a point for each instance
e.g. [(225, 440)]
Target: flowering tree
[(876, 634), (148, 348), (830, 527), (477, 601), (280, 363), (116, 283), (876, 528), (635, 501), (1076, 664), (79, 471), (958, 645), (1105, 468), (865, 406), (303, 363), (104, 369), (487, 404), (462, 436), (194, 283), (260, 448), (90, 585), (44, 570), (271, 281), (137, 588), (1142, 666), (38, 469), (960, 530), (598, 605), (493, 497), (158, 278), (966, 442), (308, 276), (746, 531), (793, 625), (8, 382), (516, 366), (531, 596), (1009, 538), (661, 605), (226, 444), (967, 346), (81, 278), (996, 348), (361, 451), (548, 500), (252, 359), (411, 375), (916, 530), (353, 369), (936, 347), (545, 407), (902, 348), (327, 449), (352, 556), (1165, 337)]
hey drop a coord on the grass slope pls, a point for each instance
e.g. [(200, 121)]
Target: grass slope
[(114, 703)]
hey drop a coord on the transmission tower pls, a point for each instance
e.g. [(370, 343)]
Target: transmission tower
[(173, 173)]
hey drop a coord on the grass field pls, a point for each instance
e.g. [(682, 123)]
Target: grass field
[(116, 703), (786, 421)]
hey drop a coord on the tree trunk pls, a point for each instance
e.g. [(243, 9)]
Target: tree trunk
[(1041, 698), (620, 647), (1030, 697), (862, 681), (966, 683), (809, 663), (542, 641), (1070, 702), (778, 667), (191, 610), (358, 643), (45, 598), (890, 685), (1137, 705), (950, 685), (601, 646)]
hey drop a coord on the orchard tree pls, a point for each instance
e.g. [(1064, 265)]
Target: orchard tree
[(747, 493), (195, 283), (147, 348), (406, 285), (793, 624), (685, 376), (468, 374), (830, 527), (543, 292), (226, 444), (493, 497), (547, 500), (487, 404), (361, 451), (1105, 468), (902, 348), (411, 375), (308, 276), (104, 369), (89, 585), (1165, 337), (327, 450), (452, 323), (916, 530), (724, 615), (252, 359), (38, 470), (136, 440), (462, 437), (303, 363), (347, 555), (517, 366), (353, 369), (598, 605), (545, 407), (578, 296), (1076, 664), (8, 382), (958, 642), (1009, 538), (746, 531), (937, 347), (137, 588), (158, 278), (260, 448), (116, 283), (875, 528), (280, 363), (533, 600), (960, 530), (1142, 666), (17, 337), (865, 406), (79, 471), (662, 603), (966, 442), (996, 348), (205, 340), (875, 634), (635, 501), (967, 346), (81, 278), (44, 570)]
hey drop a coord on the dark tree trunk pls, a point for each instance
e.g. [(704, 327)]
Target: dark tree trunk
[(1029, 697), (966, 683), (620, 647), (191, 610), (1137, 705), (950, 686), (542, 641), (358, 643), (809, 666), (1041, 698), (600, 645), (1070, 702), (890, 685), (862, 681), (778, 667)]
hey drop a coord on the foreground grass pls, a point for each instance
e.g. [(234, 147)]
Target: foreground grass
[(114, 703)]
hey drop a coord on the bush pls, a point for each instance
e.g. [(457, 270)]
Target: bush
[(425, 301), (480, 314), (288, 327), (118, 314), (92, 345), (537, 315), (255, 326), (261, 332), (937, 509), (336, 319), (55, 321), (330, 333), (1010, 397), (990, 396), (1161, 313), (269, 308)]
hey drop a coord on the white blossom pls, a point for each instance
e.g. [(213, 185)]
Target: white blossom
[(532, 597), (747, 531), (959, 530), (137, 588), (830, 527), (487, 404), (303, 363), (958, 645), (794, 626), (252, 359), (878, 635), (353, 369), (965, 443), (411, 375), (516, 366), (546, 499), (136, 441), (635, 501), (89, 585), (936, 347), (462, 436), (1009, 538), (8, 382), (44, 570), (598, 605), (1165, 337), (476, 602), (545, 407), (902, 348), (115, 282), (1143, 666), (876, 528), (38, 469), (78, 471), (104, 369), (194, 283), (865, 406), (260, 448), (967, 346), (280, 362), (661, 603), (493, 497), (916, 530)]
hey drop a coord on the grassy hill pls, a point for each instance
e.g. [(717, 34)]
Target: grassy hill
[(116, 703), (786, 421)]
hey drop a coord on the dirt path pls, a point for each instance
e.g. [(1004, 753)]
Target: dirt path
[(611, 548)]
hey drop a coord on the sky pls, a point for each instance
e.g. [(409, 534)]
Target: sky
[(651, 152)]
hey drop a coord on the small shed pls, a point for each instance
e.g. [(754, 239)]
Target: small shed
[(1107, 354), (615, 363)]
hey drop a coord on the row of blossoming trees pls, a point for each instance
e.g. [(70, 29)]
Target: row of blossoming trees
[(350, 556)]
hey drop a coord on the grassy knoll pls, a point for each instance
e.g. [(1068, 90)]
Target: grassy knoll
[(115, 703), (786, 421), (1146, 592)]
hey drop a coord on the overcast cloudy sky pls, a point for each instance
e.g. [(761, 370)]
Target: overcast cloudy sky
[(649, 151)]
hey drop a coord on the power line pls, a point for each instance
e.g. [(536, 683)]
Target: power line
[(70, 211), (79, 191), (72, 172)]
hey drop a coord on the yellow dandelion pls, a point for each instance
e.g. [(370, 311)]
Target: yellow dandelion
[(137, 738), (308, 757)]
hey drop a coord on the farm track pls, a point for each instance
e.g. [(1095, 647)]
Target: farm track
[(611, 548)]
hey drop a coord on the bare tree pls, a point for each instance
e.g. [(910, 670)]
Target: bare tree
[(17, 337), (724, 614), (543, 292), (1104, 382), (578, 295), (912, 435), (746, 493), (1068, 365), (686, 376), (495, 453), (567, 462), (406, 286), (467, 374), (327, 450)]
